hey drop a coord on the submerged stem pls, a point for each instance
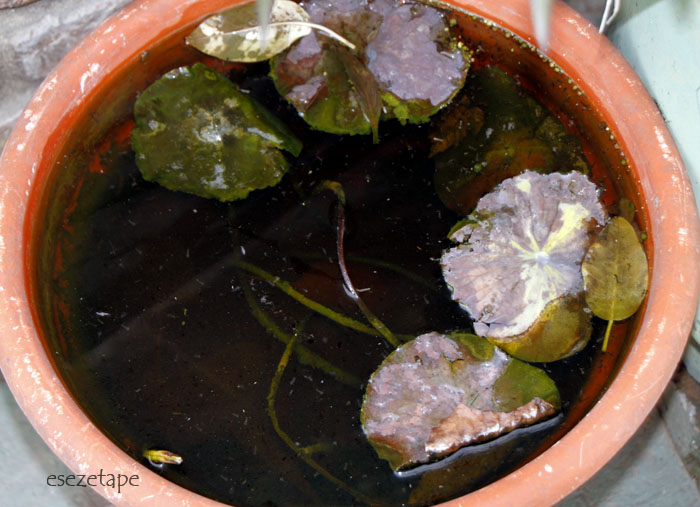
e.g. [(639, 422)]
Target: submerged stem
[(374, 262), (301, 452), (304, 355), (287, 288), (350, 288)]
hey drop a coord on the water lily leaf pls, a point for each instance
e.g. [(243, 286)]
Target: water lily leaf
[(325, 97), (236, 34), (196, 132), (521, 250), (562, 329), (615, 273), (438, 393), (492, 132), (407, 48), (454, 123), (367, 90), (521, 383), (418, 64)]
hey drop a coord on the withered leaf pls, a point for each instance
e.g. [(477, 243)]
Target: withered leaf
[(466, 425), (438, 393), (237, 35), (615, 273), (521, 250)]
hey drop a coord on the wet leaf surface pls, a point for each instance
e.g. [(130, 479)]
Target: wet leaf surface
[(438, 393), (366, 88), (561, 330), (496, 132), (406, 49), (417, 65), (615, 272), (196, 132), (236, 34), (521, 250)]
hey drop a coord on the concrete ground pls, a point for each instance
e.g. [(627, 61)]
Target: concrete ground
[(659, 466)]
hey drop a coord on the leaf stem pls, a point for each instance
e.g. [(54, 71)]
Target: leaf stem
[(375, 262), (330, 33), (287, 288), (302, 452), (304, 355), (607, 334), (350, 288)]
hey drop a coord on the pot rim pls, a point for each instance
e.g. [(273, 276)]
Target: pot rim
[(607, 78)]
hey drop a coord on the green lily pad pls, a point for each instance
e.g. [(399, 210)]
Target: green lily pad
[(196, 132), (411, 61), (325, 96), (519, 252), (438, 393)]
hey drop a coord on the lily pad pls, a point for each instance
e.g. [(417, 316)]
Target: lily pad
[(438, 393), (407, 49), (196, 132), (501, 132), (417, 63), (520, 251), (563, 328), (615, 273)]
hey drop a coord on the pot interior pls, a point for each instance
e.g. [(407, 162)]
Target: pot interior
[(177, 387)]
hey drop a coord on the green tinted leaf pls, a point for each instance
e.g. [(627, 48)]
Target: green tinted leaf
[(327, 99), (480, 349), (626, 209), (436, 394), (615, 272), (196, 132), (236, 34), (521, 383), (561, 330)]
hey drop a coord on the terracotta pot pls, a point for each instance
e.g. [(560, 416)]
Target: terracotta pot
[(586, 80)]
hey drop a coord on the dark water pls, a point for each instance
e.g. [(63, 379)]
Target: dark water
[(165, 352)]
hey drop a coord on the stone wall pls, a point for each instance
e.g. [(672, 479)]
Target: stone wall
[(33, 39)]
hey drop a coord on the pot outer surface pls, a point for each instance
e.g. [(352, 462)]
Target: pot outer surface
[(98, 81)]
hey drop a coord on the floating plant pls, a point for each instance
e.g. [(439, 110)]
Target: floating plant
[(519, 260), (438, 393)]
